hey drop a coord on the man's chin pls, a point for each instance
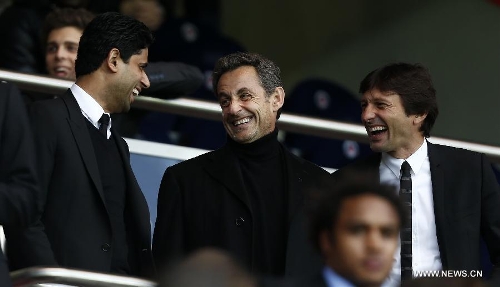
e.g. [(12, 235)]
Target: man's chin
[(376, 147), (123, 110), (370, 281)]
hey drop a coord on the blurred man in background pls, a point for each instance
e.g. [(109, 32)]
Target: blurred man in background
[(61, 34)]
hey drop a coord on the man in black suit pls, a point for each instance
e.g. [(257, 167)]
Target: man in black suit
[(246, 197), (95, 216), (18, 179), (355, 226), (455, 197)]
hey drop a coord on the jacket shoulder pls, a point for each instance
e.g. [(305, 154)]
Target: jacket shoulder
[(454, 154), (307, 165), (193, 163), (50, 105), (367, 167)]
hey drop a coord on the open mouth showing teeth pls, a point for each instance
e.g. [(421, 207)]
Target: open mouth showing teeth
[(376, 130), (135, 92), (242, 121)]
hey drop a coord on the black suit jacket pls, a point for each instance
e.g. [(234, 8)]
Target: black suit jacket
[(74, 230), (466, 204), (18, 181), (202, 202)]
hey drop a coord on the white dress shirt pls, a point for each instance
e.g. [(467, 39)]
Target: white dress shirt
[(332, 279), (425, 249), (90, 107)]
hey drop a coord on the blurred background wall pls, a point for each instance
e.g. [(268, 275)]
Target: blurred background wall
[(458, 40), (342, 40)]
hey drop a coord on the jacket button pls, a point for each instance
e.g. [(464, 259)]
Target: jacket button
[(105, 247), (239, 221)]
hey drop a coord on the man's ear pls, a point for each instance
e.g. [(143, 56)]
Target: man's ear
[(112, 59), (278, 98), (419, 119)]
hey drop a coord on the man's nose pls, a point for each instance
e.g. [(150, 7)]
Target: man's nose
[(234, 107), (145, 80), (367, 114), (374, 241), (61, 53)]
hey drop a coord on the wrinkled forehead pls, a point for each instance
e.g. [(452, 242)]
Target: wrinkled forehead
[(375, 93), (239, 79)]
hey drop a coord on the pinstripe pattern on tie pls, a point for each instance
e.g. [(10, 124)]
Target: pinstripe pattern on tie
[(405, 191)]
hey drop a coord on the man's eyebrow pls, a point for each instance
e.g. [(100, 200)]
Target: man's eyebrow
[(244, 90), (222, 94), (356, 222)]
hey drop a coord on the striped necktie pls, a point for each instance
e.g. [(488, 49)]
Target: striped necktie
[(405, 235)]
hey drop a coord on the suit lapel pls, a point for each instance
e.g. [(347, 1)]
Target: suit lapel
[(82, 138), (122, 149), (135, 196), (438, 190), (223, 166)]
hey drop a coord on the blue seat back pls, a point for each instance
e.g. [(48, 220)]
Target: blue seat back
[(324, 99)]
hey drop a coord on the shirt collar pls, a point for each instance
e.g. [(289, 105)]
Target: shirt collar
[(333, 279), (415, 160), (89, 106)]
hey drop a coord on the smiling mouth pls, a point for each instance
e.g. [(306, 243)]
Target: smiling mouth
[(241, 121), (372, 131), (60, 69), (135, 91)]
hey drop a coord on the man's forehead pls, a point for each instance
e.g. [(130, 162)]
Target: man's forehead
[(376, 93), (238, 82), (361, 205)]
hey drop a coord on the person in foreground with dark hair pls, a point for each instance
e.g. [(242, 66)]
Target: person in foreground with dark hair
[(95, 216), (207, 267), (452, 194), (355, 227), (18, 179), (247, 197)]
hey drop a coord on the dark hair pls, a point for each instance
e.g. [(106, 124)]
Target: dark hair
[(65, 17), (107, 31), (325, 202), (269, 73), (413, 83)]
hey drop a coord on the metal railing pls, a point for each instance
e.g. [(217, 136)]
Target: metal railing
[(211, 111), (39, 276)]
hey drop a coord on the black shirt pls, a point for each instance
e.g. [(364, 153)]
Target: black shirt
[(263, 169)]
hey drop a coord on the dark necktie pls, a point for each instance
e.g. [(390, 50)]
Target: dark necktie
[(406, 247), (104, 123)]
